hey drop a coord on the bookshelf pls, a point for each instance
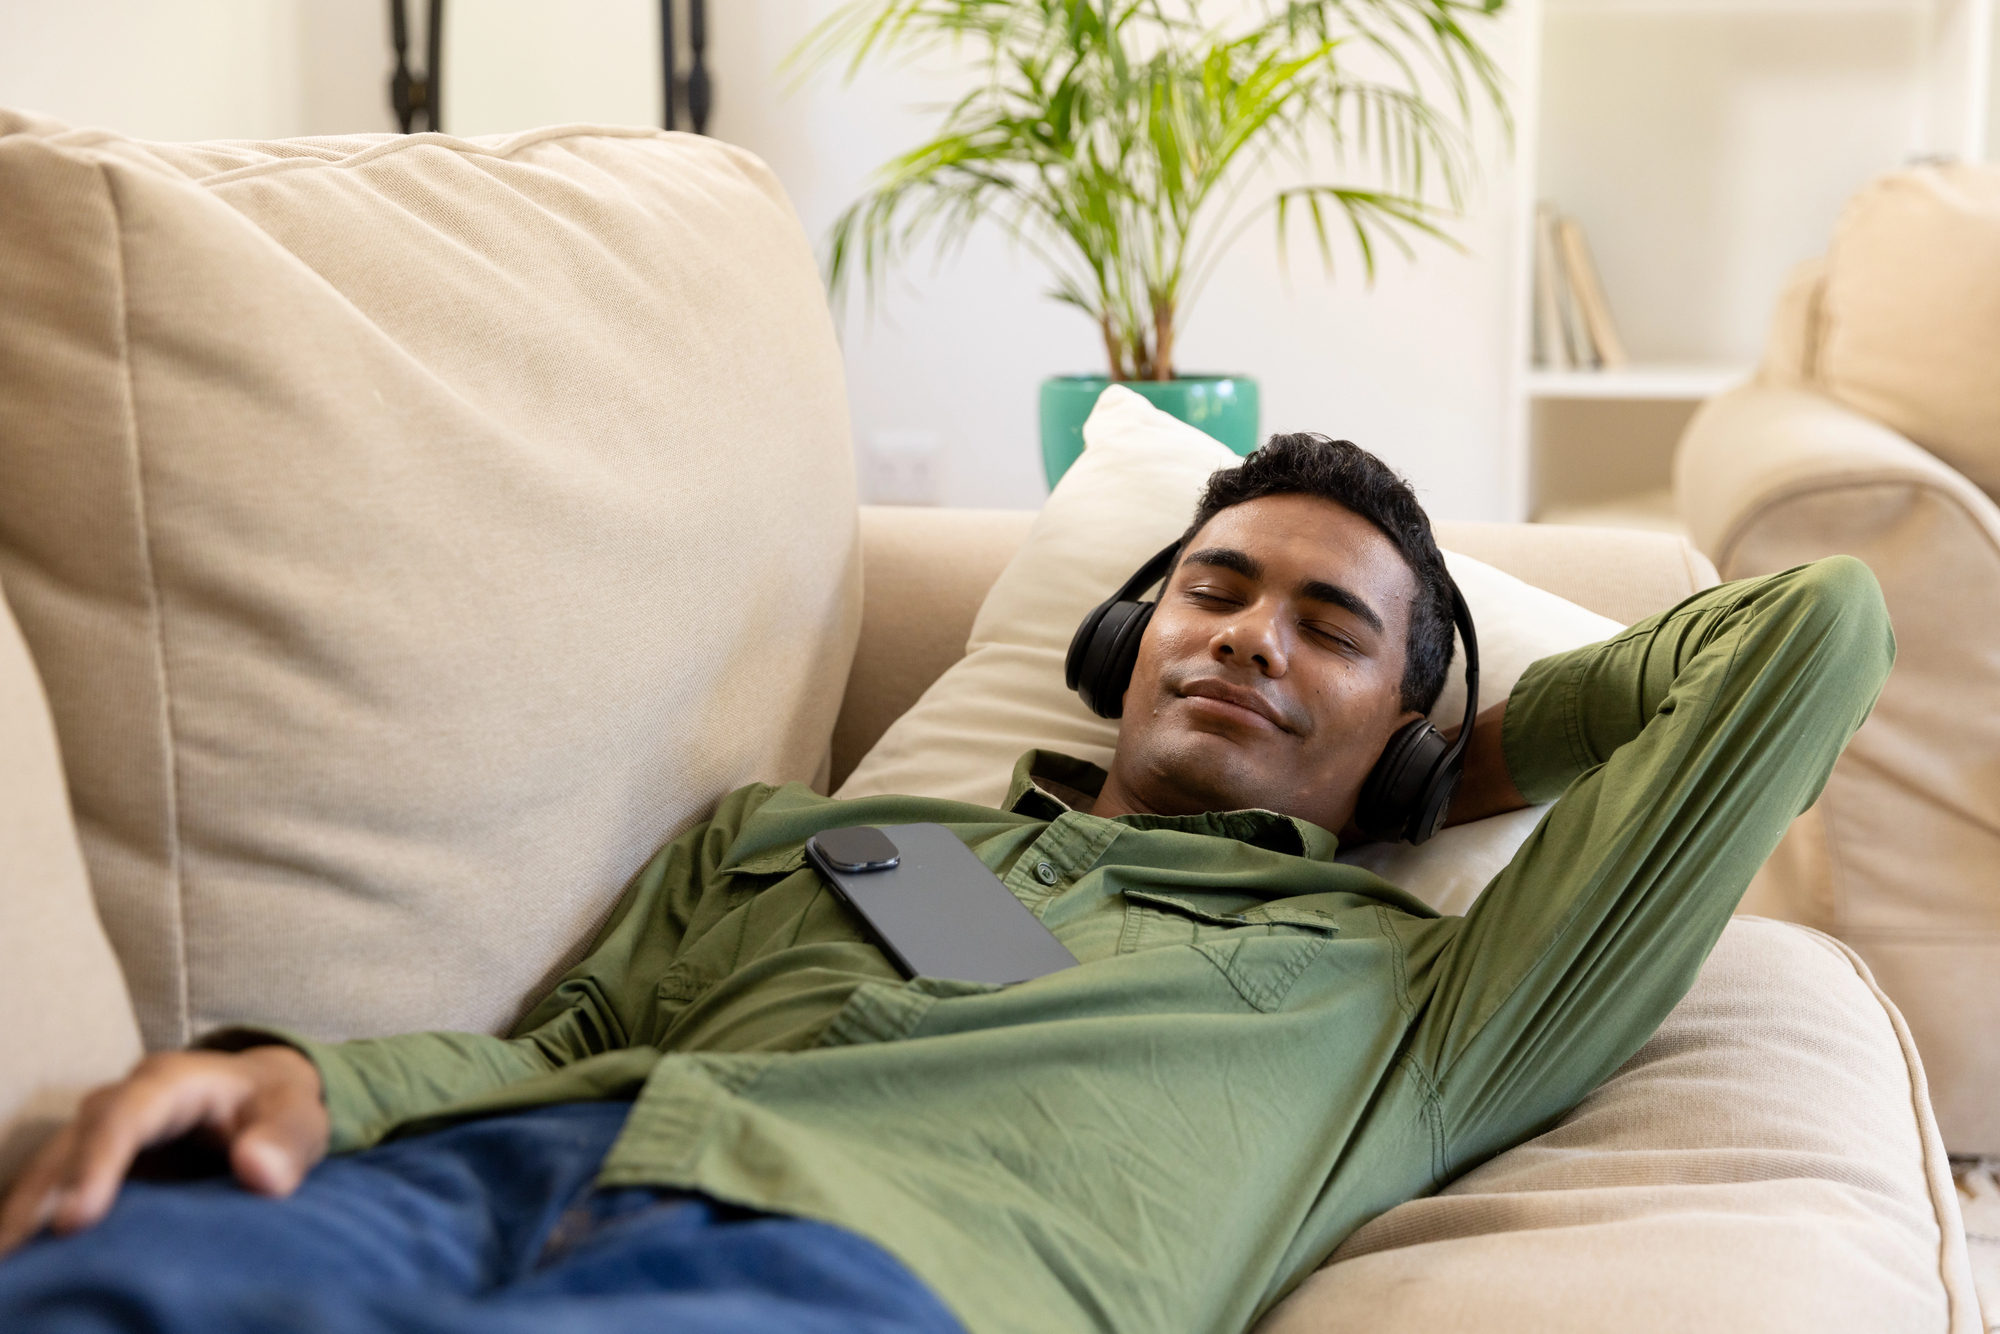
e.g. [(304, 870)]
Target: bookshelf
[(1706, 146)]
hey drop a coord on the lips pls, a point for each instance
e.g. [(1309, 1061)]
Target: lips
[(1209, 687)]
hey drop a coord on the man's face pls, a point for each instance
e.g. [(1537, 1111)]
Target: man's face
[(1271, 674)]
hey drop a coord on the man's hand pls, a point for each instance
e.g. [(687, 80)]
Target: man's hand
[(262, 1105)]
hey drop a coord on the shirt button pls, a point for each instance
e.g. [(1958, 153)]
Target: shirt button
[(1045, 873)]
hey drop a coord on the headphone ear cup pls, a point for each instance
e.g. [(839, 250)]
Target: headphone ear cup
[(1428, 816), (1105, 647), (1100, 665), (1080, 644), (1122, 658), (1398, 793)]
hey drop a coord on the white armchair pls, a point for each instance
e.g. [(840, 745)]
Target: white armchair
[(1892, 340)]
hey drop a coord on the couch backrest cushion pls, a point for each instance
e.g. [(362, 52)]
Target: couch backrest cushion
[(926, 571), (412, 533), (1911, 312)]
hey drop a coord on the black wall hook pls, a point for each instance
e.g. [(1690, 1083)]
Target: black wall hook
[(415, 93), (695, 90)]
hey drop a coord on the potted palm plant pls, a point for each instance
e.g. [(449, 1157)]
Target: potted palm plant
[(1116, 140)]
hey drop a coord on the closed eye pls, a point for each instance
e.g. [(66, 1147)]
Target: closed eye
[(1339, 639)]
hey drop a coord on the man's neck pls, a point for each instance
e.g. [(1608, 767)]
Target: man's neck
[(1113, 799)]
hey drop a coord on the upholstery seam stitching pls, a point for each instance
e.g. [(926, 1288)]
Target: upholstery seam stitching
[(411, 142), (1919, 1088), (176, 879)]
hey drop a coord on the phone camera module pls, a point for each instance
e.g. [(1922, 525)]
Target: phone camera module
[(862, 848)]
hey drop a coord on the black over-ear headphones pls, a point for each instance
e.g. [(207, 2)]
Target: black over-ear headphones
[(1405, 795)]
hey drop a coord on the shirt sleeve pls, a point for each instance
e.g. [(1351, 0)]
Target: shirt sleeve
[(586, 1039), (1681, 749)]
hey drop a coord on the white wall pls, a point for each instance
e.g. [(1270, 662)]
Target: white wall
[(1413, 368), (516, 64), (345, 63), (199, 69), (1706, 151)]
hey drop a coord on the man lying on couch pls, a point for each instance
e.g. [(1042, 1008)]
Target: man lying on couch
[(735, 1115)]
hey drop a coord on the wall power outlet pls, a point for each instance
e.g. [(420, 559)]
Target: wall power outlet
[(900, 468)]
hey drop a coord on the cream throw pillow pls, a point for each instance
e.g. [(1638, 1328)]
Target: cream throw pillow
[(1791, 349), (1132, 492), (411, 533), (1912, 312)]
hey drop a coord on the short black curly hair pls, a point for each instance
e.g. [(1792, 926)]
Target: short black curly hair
[(1348, 475)]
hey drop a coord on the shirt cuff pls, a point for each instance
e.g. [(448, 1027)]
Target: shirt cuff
[(1540, 736), (338, 1087)]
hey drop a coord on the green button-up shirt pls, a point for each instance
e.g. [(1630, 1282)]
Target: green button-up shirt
[(1260, 1049)]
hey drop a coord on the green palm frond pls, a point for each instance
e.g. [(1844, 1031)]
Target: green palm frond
[(1114, 139)]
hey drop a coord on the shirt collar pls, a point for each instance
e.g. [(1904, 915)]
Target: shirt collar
[(1046, 782)]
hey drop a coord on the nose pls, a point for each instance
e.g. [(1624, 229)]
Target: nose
[(1254, 637)]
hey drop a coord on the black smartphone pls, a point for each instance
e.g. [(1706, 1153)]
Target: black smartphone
[(935, 909)]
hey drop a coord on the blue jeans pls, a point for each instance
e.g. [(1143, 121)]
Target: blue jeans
[(492, 1225)]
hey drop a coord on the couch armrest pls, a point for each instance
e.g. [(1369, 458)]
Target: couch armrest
[(69, 1017), (924, 573), (1908, 830), (1760, 460), (1622, 573)]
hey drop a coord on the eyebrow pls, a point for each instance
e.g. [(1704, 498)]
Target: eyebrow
[(1316, 590)]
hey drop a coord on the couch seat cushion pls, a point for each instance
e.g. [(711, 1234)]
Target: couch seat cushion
[(1766, 1162)]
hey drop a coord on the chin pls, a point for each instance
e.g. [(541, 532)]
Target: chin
[(1201, 771)]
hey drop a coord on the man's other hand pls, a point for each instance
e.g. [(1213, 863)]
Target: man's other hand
[(262, 1105)]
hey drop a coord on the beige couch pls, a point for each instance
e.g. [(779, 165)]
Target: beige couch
[(1873, 429), (403, 536)]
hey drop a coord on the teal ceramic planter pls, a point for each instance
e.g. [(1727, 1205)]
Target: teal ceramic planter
[(1225, 406)]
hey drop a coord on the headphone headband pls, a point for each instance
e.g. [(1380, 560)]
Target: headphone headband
[(1461, 616), (1148, 574)]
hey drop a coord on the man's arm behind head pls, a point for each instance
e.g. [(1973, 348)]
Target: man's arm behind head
[(1681, 750)]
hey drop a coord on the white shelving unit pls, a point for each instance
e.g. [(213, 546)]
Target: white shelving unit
[(1706, 146), (1659, 383)]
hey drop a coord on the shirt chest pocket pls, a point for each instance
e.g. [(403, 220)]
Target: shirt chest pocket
[(1261, 949)]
